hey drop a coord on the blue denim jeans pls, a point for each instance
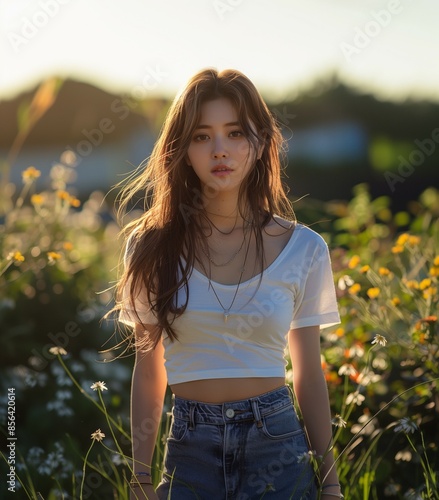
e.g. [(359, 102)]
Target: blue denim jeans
[(240, 450)]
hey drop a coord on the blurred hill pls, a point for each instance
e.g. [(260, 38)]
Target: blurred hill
[(336, 138)]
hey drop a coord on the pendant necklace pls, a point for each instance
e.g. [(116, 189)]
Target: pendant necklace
[(226, 311)]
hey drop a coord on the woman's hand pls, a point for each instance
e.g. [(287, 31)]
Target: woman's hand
[(142, 492)]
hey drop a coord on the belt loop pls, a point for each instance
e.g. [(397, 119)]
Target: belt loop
[(256, 412), (191, 416)]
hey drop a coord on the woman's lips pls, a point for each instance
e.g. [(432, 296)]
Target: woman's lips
[(221, 170)]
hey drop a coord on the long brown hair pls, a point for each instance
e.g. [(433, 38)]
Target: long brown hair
[(163, 240)]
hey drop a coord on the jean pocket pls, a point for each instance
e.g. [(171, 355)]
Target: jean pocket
[(282, 424), (178, 429)]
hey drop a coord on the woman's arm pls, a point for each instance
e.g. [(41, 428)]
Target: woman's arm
[(312, 395), (147, 394)]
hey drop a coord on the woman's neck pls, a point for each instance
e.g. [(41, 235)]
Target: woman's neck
[(224, 213)]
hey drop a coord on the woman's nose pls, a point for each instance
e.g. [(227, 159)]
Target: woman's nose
[(219, 150)]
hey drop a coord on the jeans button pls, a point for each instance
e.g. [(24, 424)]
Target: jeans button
[(230, 413)]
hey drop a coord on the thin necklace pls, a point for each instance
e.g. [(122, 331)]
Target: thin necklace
[(222, 232), (226, 311), (207, 254)]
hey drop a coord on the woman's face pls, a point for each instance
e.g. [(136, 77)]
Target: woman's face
[(219, 153)]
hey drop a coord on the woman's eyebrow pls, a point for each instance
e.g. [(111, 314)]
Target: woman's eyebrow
[(231, 124)]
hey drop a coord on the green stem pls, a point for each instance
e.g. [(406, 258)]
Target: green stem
[(72, 378), (83, 469)]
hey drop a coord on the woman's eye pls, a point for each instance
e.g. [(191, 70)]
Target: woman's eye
[(201, 137), (236, 133)]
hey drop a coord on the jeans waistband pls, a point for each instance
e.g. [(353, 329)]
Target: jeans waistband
[(234, 411)]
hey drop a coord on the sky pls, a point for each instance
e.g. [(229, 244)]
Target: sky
[(147, 47)]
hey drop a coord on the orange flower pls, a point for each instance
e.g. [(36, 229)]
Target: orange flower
[(53, 257), (354, 289), (16, 256), (402, 239), (30, 174), (333, 378), (37, 199), (425, 283), (373, 292), (67, 245), (339, 332), (430, 319), (62, 195), (353, 262), (397, 249), (411, 284), (436, 261), (396, 301), (383, 271), (74, 202), (434, 271), (429, 292), (364, 269), (414, 240)]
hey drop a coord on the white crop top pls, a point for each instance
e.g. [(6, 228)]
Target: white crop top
[(296, 290)]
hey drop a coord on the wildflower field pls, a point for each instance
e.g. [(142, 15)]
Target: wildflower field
[(64, 392)]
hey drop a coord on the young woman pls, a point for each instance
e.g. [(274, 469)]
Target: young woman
[(219, 278)]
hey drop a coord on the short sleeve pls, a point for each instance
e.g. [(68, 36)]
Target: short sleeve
[(316, 302), (131, 313)]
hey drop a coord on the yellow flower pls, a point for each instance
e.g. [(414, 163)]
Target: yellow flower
[(396, 301), (412, 284), (53, 257), (364, 269), (402, 239), (397, 249), (434, 271), (429, 292), (424, 284), (74, 202), (62, 195), (414, 240), (339, 332), (37, 199), (436, 261), (354, 289), (353, 262), (383, 271), (30, 174), (373, 292), (16, 256), (67, 245)]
